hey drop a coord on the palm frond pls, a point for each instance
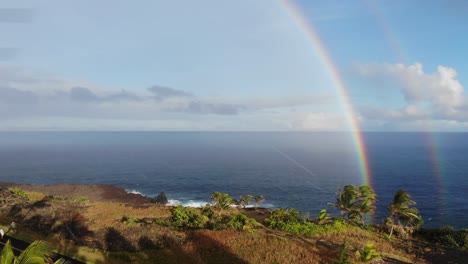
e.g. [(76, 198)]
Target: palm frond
[(7, 254), (37, 253)]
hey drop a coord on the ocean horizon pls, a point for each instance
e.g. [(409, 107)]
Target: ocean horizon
[(291, 169)]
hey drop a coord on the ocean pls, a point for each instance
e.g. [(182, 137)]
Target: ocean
[(290, 169)]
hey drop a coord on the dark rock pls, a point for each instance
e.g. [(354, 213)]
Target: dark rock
[(161, 199)]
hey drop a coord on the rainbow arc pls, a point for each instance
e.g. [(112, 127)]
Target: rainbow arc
[(313, 37)]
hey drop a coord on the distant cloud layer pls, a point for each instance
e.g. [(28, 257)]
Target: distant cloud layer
[(31, 97), (33, 100), (82, 94), (161, 92)]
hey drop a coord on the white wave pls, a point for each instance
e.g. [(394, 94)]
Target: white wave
[(266, 205), (201, 203), (171, 202), (262, 205), (134, 192), (187, 203), (193, 203)]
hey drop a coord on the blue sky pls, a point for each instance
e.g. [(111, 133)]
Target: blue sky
[(231, 65)]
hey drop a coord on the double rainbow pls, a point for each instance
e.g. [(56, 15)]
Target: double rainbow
[(311, 34)]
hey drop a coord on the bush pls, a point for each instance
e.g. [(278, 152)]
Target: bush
[(80, 199), (162, 222), (195, 218), (240, 222), (323, 217), (292, 222), (208, 211), (281, 217), (19, 192), (129, 220), (186, 217), (343, 258), (446, 236), (368, 253)]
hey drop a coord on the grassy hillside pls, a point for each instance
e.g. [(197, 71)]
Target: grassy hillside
[(113, 232)]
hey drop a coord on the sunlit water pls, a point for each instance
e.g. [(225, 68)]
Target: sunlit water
[(301, 170)]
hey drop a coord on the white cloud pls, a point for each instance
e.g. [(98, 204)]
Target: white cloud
[(429, 96)]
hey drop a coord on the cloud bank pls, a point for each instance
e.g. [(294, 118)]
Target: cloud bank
[(31, 100), (36, 98), (437, 96)]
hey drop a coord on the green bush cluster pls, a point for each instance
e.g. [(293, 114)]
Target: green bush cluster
[(188, 218), (293, 221), (206, 217), (19, 192), (237, 222), (131, 220), (368, 253), (80, 199), (446, 236)]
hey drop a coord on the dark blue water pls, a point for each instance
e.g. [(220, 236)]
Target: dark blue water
[(301, 170)]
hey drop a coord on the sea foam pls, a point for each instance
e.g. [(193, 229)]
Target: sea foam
[(187, 203), (134, 191)]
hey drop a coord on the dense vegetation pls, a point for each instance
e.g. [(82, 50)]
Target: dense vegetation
[(227, 230)]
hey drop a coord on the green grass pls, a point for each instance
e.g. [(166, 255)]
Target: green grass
[(19, 192)]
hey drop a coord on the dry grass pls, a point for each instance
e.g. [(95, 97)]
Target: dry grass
[(105, 214), (35, 196), (106, 238)]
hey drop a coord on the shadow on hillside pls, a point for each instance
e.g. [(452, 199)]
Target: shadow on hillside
[(43, 203), (202, 249), (73, 227), (145, 243), (15, 211), (114, 241), (212, 251)]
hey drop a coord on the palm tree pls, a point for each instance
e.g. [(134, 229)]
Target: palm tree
[(245, 200), (402, 209), (345, 200), (258, 199), (38, 252), (221, 200), (323, 217), (367, 198), (354, 202)]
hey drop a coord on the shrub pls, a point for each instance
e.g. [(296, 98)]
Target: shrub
[(343, 258), (240, 222), (19, 192), (186, 217), (129, 220), (292, 222), (57, 197), (162, 222), (80, 199), (208, 211), (281, 217), (368, 253), (323, 217), (446, 236)]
